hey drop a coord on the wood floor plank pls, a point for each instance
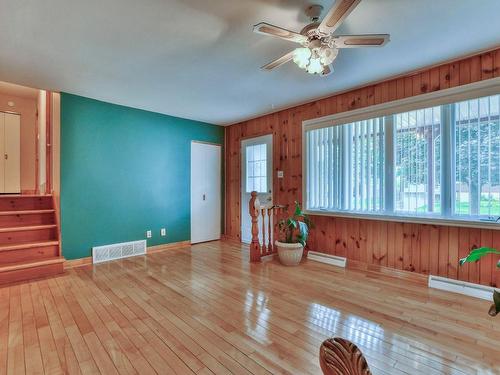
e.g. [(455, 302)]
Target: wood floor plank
[(205, 310)]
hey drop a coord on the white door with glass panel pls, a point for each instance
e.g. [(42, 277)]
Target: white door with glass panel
[(205, 192), (256, 175), (10, 153)]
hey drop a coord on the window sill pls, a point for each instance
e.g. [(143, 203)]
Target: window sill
[(430, 220)]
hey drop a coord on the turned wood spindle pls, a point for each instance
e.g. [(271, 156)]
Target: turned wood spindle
[(254, 245), (263, 248), (269, 230)]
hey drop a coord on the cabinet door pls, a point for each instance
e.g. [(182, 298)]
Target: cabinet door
[(12, 153)]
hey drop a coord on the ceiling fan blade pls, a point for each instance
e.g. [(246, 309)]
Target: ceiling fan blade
[(278, 62), (355, 41), (337, 14), (268, 29)]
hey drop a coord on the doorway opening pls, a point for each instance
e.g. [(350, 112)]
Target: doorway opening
[(27, 117), (256, 175)]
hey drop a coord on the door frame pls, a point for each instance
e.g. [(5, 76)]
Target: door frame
[(243, 177), (221, 192), (20, 141)]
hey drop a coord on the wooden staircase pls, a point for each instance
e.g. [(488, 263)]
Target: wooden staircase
[(29, 238)]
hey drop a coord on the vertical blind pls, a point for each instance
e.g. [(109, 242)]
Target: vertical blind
[(477, 157), (441, 161), (346, 166), (417, 160)]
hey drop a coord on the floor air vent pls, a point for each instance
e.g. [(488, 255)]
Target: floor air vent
[(118, 251)]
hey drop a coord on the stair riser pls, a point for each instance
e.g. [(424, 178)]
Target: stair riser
[(11, 238), (25, 203), (22, 255), (16, 220), (31, 273)]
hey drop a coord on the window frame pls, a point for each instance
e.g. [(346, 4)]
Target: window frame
[(444, 98)]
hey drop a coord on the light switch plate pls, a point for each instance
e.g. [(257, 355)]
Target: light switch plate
[(280, 174), (149, 234), (163, 232)]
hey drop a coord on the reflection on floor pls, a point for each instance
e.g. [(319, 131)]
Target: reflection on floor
[(205, 310)]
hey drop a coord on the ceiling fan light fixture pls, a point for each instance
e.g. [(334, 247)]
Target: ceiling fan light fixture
[(315, 66), (327, 55), (301, 57)]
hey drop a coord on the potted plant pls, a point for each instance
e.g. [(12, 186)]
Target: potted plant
[(293, 233), (474, 256)]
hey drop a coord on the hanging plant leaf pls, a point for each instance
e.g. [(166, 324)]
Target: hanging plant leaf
[(495, 308), (477, 254)]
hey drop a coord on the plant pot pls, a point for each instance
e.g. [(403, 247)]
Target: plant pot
[(290, 254)]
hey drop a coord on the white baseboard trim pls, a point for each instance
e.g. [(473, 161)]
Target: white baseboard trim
[(461, 287), (327, 258)]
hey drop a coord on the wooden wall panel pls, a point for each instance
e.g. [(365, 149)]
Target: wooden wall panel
[(426, 249)]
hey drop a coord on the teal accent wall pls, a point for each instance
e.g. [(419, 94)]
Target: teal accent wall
[(124, 171)]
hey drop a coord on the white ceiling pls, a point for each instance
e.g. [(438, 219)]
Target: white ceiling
[(200, 60)]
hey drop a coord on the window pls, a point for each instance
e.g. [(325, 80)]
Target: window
[(256, 172), (417, 161), (347, 159), (440, 161), (477, 157)]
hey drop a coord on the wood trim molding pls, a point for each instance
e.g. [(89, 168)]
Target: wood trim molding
[(167, 246), (72, 263), (150, 250)]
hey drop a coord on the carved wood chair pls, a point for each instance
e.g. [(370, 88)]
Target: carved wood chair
[(338, 356)]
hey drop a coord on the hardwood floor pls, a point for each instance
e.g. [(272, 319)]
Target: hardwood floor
[(206, 310)]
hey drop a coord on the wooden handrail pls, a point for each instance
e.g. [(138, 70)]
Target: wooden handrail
[(269, 231)]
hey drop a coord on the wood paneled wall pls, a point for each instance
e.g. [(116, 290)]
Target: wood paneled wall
[(418, 248)]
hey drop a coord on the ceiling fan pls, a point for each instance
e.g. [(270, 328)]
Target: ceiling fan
[(319, 45)]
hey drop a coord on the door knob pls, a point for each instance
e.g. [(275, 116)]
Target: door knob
[(204, 197), (6, 156)]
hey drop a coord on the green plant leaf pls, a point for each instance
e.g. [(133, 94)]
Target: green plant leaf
[(298, 211), (291, 223), (477, 254)]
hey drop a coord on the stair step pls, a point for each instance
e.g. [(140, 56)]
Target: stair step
[(26, 218), (32, 233), (26, 212), (30, 269), (27, 228), (28, 245), (25, 202)]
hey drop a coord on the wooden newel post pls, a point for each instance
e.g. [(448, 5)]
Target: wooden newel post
[(255, 245)]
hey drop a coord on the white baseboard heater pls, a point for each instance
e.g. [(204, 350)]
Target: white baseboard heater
[(327, 258), (461, 287), (118, 251)]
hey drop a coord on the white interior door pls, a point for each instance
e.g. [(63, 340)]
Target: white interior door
[(256, 175), (10, 153), (205, 192)]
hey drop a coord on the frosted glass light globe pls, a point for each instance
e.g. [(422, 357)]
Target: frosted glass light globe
[(315, 66), (301, 57)]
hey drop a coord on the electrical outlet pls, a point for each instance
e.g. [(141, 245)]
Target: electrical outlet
[(163, 231), (149, 234), (280, 174)]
